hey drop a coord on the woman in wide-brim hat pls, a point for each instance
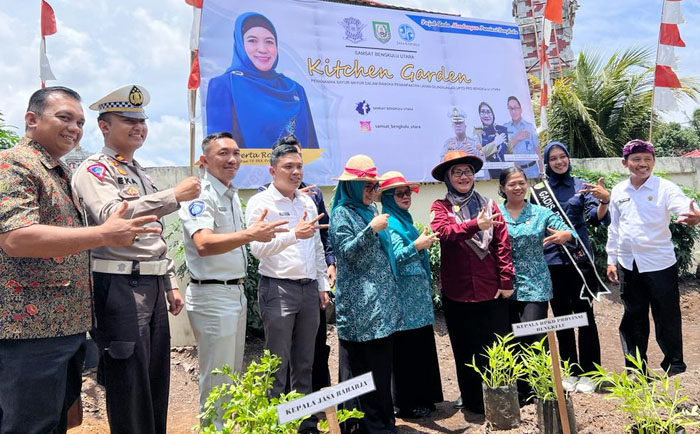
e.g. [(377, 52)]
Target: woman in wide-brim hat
[(417, 385), (476, 270), (367, 303)]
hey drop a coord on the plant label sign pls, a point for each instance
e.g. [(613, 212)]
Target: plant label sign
[(328, 397), (550, 324)]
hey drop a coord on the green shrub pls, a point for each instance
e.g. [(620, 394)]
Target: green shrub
[(653, 402), (244, 406), (537, 361), (683, 237), (504, 366)]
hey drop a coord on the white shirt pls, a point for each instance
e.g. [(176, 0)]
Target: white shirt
[(639, 231), (219, 209), (285, 257)]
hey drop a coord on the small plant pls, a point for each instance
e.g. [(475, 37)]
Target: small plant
[(244, 405), (504, 367), (654, 401), (537, 362)]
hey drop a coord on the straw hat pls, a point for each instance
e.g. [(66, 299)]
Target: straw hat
[(359, 168), (395, 179), (452, 158)]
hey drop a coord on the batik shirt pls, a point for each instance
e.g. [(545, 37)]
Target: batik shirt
[(40, 297)]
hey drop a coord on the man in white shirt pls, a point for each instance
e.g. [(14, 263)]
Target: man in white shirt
[(216, 259), (293, 270), (639, 248)]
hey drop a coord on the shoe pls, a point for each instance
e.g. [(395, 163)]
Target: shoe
[(569, 383), (414, 413), (458, 403), (585, 385)]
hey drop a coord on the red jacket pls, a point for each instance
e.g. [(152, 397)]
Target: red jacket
[(463, 276)]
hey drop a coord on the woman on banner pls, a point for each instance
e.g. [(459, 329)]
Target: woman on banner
[(417, 385), (580, 201), (476, 270), (493, 138), (251, 100), (368, 312)]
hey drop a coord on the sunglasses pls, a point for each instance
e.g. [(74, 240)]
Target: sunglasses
[(371, 187), (402, 194)]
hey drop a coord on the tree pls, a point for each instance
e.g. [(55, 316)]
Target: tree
[(674, 140), (602, 104), (8, 138)]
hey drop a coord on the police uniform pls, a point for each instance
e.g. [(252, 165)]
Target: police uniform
[(215, 300), (130, 283), (467, 144)]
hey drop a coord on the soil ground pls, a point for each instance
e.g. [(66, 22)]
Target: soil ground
[(594, 413)]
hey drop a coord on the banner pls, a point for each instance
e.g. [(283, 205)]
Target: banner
[(400, 86)]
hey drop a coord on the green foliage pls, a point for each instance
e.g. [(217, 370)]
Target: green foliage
[(244, 406), (434, 259), (653, 401), (603, 103), (683, 236), (504, 365), (674, 140), (537, 361), (8, 138)]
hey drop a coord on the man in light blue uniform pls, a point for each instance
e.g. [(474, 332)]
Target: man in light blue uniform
[(522, 139)]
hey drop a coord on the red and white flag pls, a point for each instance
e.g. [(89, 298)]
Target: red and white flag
[(48, 27), (665, 79), (193, 80), (553, 13)]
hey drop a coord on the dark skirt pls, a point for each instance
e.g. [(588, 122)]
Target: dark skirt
[(416, 369)]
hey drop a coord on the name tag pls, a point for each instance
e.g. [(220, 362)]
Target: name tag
[(284, 214), (222, 208), (627, 199)]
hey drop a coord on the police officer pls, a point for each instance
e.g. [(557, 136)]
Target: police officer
[(215, 242), (131, 283), (460, 141)]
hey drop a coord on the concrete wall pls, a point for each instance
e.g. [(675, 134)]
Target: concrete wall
[(684, 171)]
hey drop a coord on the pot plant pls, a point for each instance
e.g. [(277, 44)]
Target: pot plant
[(244, 406), (537, 363), (499, 376), (655, 403)]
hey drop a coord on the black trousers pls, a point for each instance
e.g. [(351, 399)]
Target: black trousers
[(39, 380), (524, 311), (416, 369), (357, 358), (133, 336), (567, 284), (658, 289), (320, 374), (473, 326)]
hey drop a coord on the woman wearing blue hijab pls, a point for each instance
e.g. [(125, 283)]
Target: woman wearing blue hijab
[(367, 303), (417, 385), (251, 100)]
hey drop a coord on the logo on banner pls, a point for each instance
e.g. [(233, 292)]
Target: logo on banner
[(382, 31), (362, 107), (353, 29), (365, 126), (407, 33)]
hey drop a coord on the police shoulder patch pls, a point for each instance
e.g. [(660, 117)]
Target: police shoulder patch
[(98, 170), (196, 208)]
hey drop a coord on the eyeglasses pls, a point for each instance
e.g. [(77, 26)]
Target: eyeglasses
[(371, 187), (485, 112), (402, 194), (459, 173)]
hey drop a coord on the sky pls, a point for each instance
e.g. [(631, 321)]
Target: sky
[(104, 44)]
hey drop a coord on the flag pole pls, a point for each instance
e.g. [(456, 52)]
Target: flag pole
[(656, 62), (192, 110)]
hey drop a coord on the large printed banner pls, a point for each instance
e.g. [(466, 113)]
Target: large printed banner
[(402, 87)]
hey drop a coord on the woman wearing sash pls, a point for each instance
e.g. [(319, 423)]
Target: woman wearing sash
[(476, 270), (367, 305), (580, 201), (417, 385)]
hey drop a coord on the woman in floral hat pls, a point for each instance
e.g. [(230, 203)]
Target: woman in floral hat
[(367, 304), (417, 385), (476, 270)]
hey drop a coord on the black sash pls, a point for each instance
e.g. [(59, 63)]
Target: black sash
[(593, 285)]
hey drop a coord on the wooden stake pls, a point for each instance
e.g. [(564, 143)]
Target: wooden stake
[(561, 398), (332, 418)]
